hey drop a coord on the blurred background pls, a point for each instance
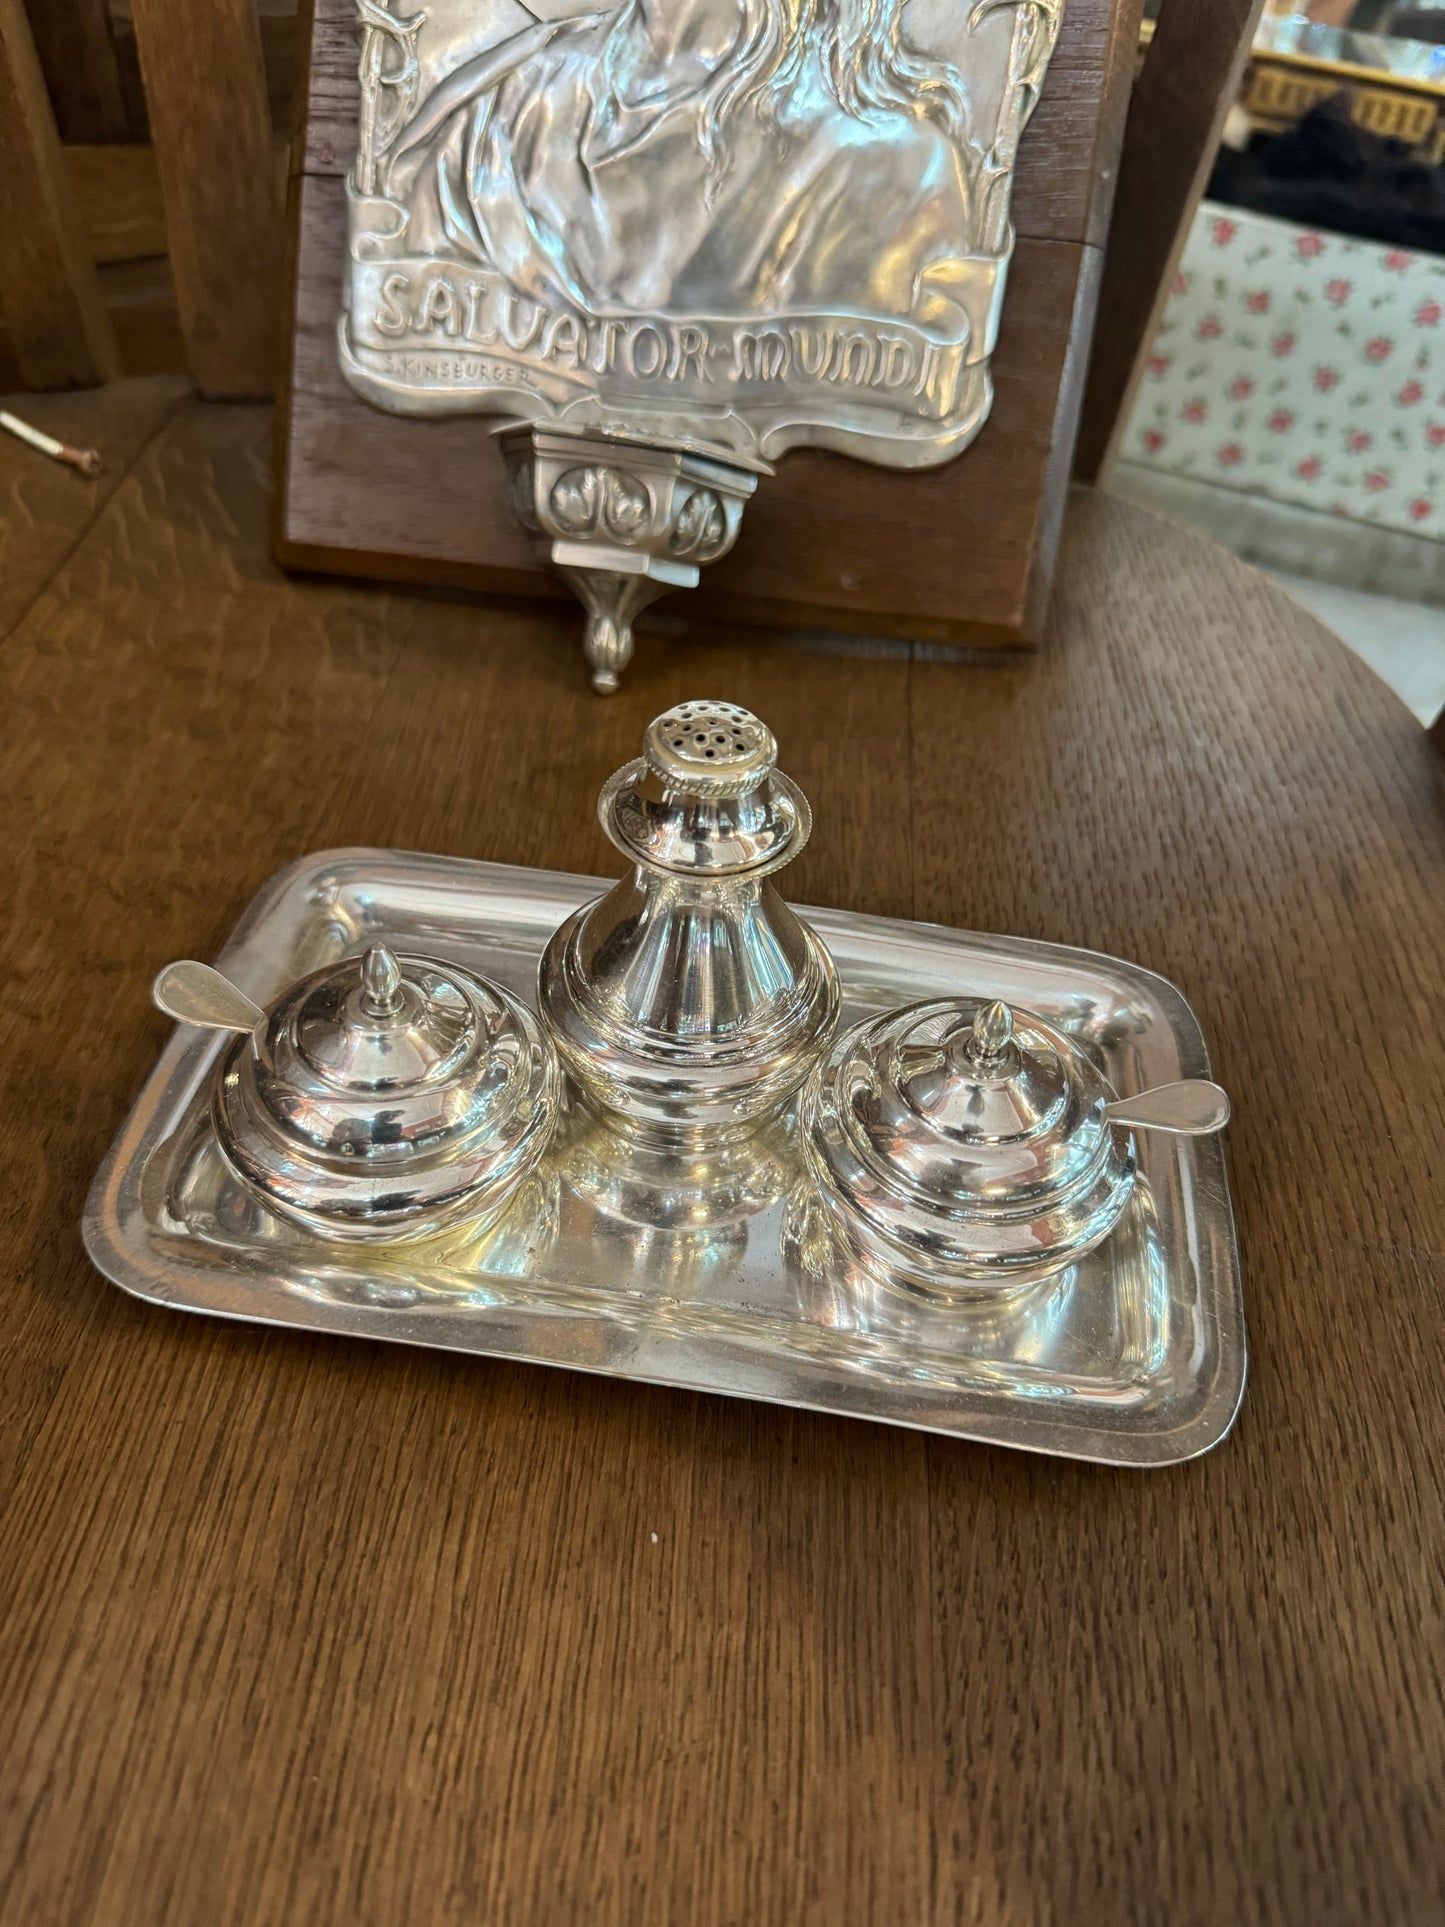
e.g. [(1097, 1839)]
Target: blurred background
[(1292, 404)]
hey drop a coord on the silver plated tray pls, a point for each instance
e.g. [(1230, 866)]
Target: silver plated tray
[(710, 1272)]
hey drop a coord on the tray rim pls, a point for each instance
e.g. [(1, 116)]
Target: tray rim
[(162, 1282)]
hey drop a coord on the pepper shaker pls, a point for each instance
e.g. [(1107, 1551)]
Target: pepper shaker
[(689, 1001)]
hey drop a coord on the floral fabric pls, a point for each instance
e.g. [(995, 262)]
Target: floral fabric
[(1301, 366)]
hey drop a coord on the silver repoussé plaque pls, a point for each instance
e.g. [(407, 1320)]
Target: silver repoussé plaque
[(717, 229)]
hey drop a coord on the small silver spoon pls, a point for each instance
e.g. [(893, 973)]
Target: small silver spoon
[(1193, 1108), (194, 993)]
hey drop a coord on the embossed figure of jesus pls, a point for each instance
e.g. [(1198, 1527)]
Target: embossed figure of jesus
[(701, 156), (723, 228)]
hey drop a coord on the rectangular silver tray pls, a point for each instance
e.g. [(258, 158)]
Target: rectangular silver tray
[(700, 1272)]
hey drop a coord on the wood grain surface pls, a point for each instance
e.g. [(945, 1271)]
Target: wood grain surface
[(76, 44), (46, 508), (117, 193), (205, 83), (964, 552), (309, 1630), (56, 321)]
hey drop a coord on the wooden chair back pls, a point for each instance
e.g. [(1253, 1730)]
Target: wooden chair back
[(206, 192)]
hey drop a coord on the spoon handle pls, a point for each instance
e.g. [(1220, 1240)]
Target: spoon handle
[(1193, 1108), (194, 993)]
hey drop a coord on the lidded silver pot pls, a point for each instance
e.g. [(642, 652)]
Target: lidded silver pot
[(964, 1149), (689, 1001), (380, 1098)]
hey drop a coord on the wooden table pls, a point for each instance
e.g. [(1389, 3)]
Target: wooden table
[(322, 1632)]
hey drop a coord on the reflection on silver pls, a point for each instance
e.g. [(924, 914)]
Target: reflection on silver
[(380, 1098), (729, 227), (697, 1267), (678, 1214), (689, 1001), (846, 1288)]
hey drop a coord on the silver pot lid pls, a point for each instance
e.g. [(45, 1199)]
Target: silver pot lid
[(962, 1140), (386, 1094), (705, 798)]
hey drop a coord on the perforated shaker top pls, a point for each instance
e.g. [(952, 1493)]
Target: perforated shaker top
[(709, 749), (706, 799)]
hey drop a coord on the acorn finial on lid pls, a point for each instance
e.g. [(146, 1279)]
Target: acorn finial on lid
[(380, 982), (990, 1034)]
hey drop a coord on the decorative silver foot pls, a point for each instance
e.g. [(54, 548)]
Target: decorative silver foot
[(611, 600), (623, 522)]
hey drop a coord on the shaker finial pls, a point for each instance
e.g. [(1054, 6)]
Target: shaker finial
[(709, 749), (706, 800), (380, 982)]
